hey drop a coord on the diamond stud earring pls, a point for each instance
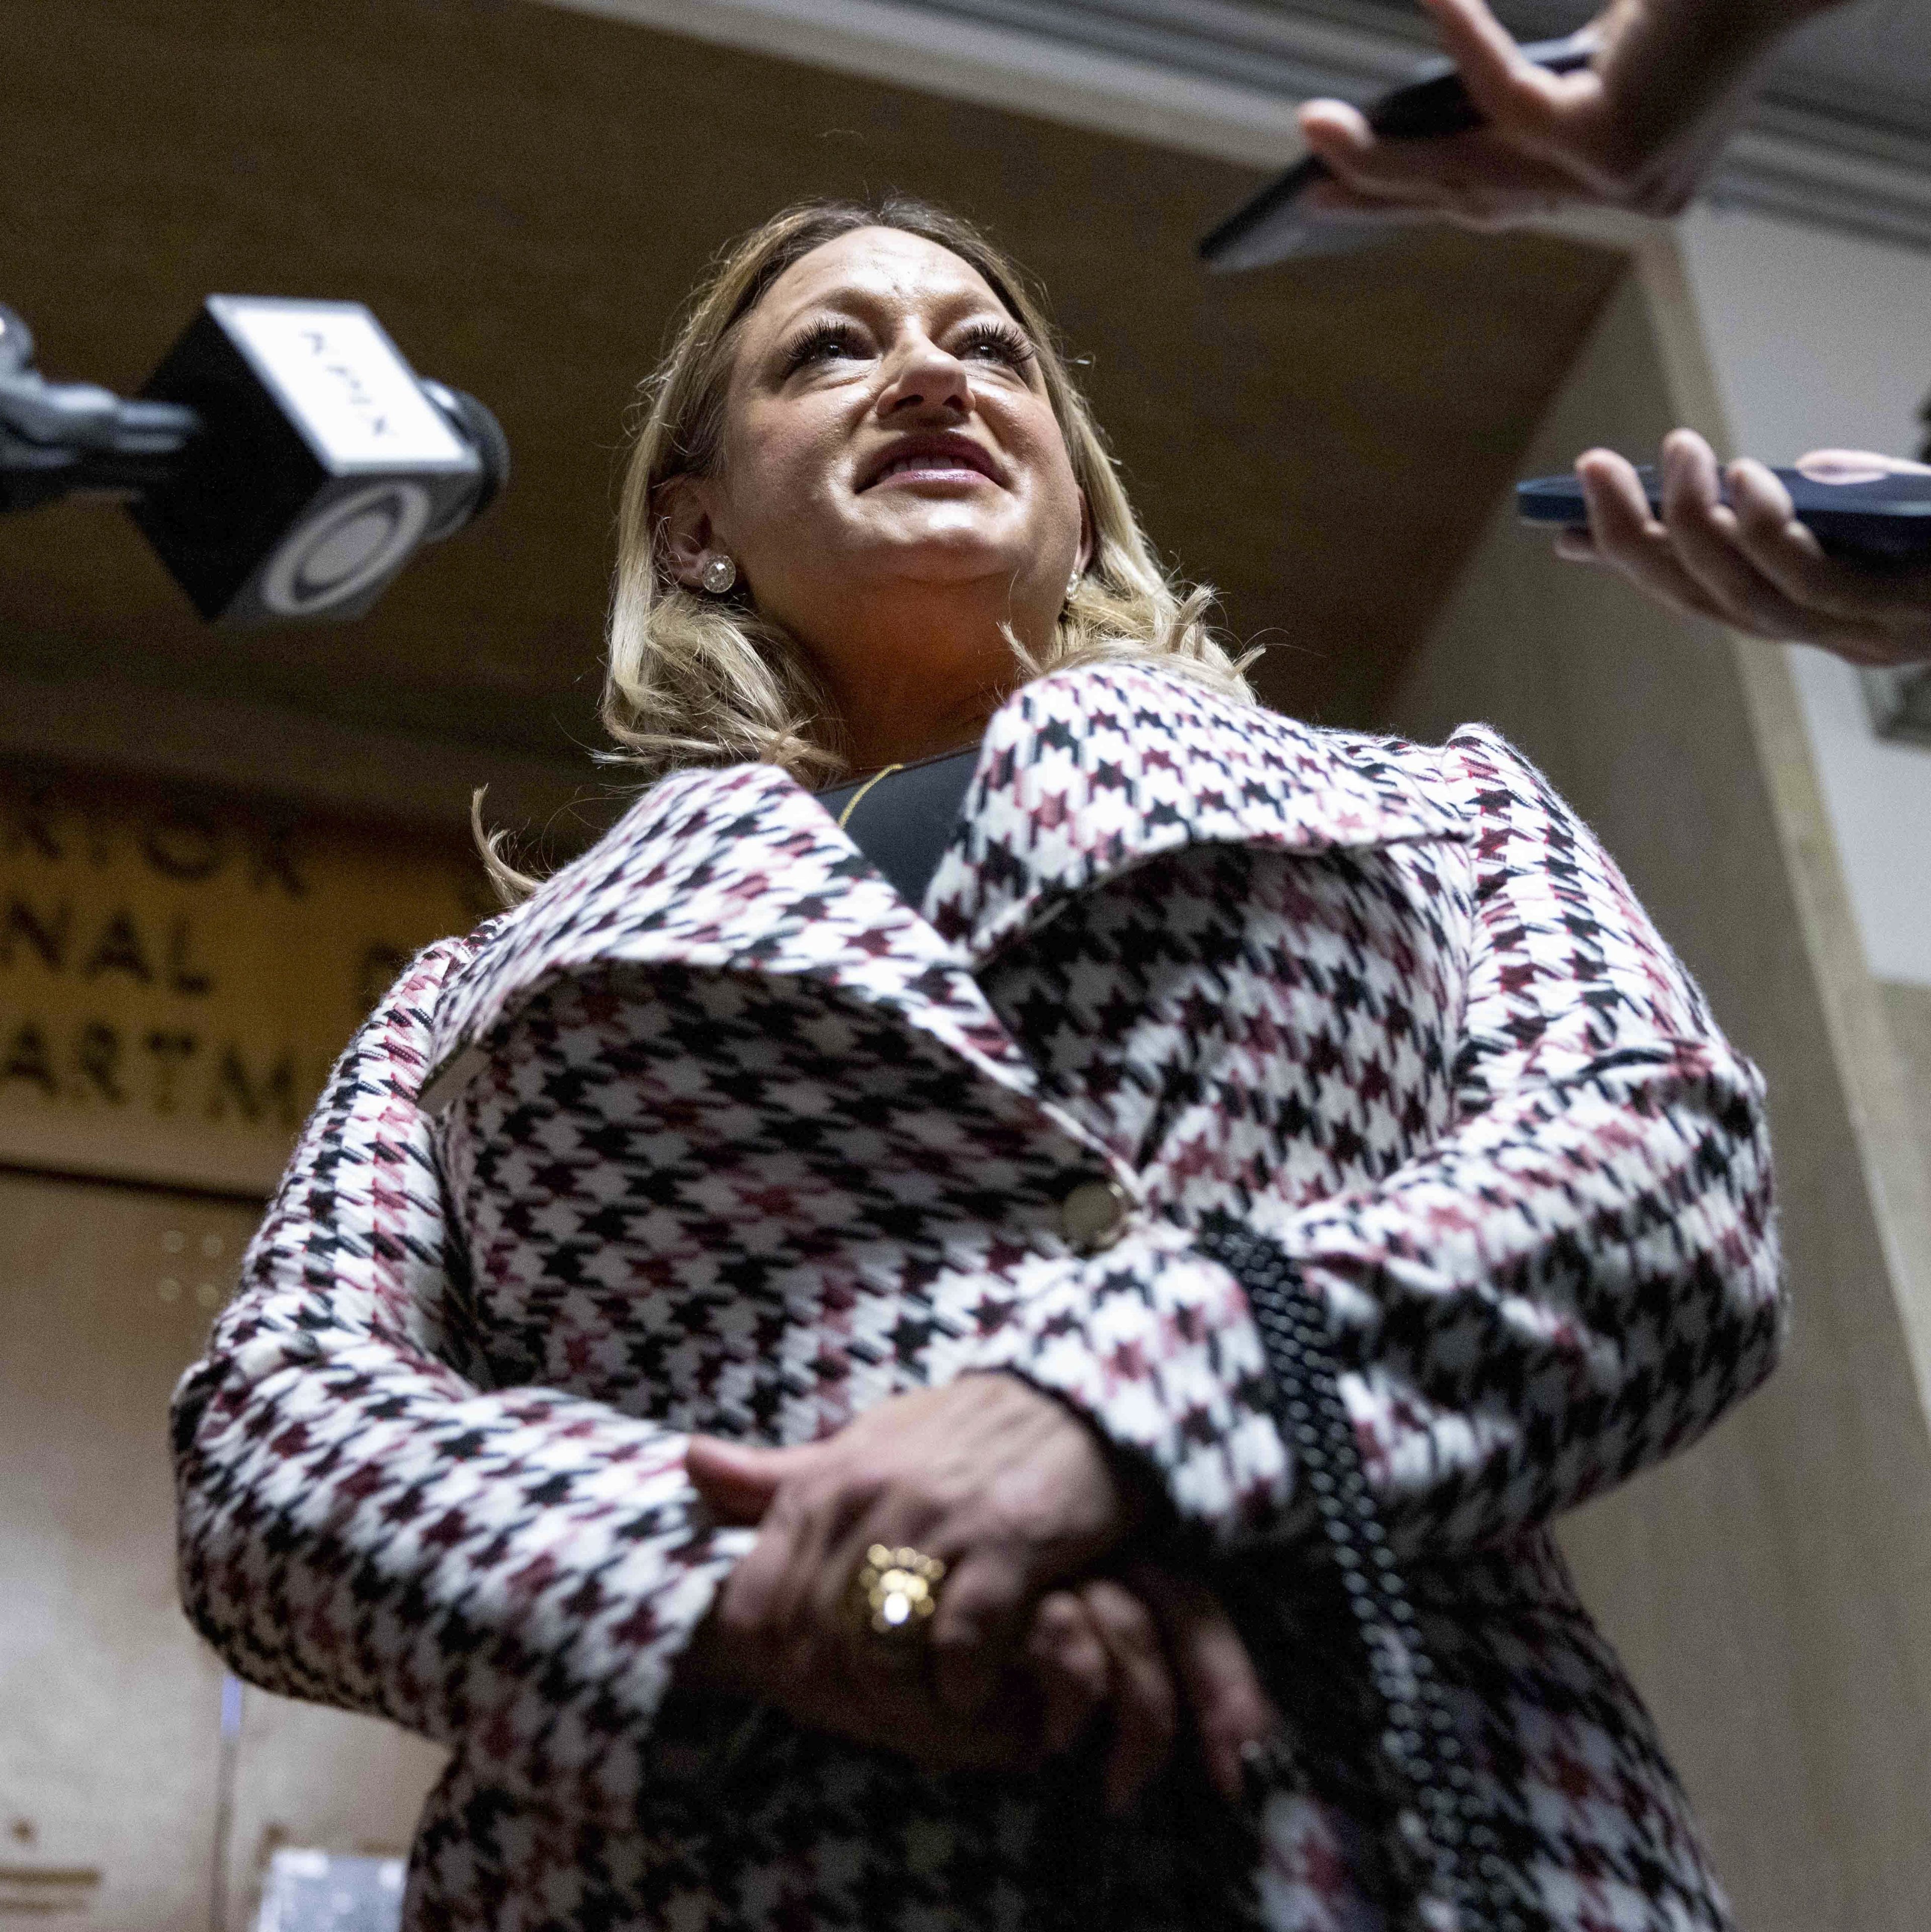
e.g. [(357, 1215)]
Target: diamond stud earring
[(1073, 582), (718, 574)]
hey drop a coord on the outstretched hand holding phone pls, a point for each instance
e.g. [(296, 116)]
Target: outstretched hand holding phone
[(1637, 128), (1748, 562)]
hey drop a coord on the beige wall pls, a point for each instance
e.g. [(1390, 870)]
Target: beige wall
[(1809, 346), (1771, 1589), (1908, 1012)]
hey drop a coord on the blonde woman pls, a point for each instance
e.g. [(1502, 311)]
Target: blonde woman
[(978, 1318)]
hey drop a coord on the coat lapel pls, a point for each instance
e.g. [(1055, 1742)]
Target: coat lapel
[(1089, 771), (732, 870), (1082, 774)]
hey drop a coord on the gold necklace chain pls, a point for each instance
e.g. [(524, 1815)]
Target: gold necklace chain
[(857, 796)]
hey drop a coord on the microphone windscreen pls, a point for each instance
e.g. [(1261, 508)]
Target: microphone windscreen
[(321, 466)]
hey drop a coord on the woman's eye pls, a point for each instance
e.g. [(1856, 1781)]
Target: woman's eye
[(1001, 344), (828, 343)]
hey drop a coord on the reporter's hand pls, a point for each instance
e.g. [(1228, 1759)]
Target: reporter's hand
[(1750, 564), (1005, 1485), (1636, 129)]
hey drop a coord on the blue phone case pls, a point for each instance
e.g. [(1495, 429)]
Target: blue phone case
[(1887, 520)]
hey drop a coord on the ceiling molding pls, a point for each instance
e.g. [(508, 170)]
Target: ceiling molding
[(1222, 78), (1807, 165), (969, 56)]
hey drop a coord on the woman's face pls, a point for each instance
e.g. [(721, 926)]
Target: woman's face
[(889, 449)]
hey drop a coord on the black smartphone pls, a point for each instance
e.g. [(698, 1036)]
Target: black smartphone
[(1272, 227), (1884, 519)]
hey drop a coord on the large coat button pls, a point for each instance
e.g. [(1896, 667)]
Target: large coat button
[(1092, 1215)]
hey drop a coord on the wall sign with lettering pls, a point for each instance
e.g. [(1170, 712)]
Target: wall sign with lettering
[(179, 971)]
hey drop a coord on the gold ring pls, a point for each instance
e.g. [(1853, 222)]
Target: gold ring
[(893, 1597)]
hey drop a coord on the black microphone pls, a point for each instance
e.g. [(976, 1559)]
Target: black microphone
[(284, 461)]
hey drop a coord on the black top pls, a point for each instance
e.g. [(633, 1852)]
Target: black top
[(904, 819)]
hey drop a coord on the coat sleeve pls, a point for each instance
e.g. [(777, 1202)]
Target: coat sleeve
[(363, 1521), (1575, 1280)]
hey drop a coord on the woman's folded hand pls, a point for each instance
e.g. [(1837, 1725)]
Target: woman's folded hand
[(1028, 1647), (1004, 1485)]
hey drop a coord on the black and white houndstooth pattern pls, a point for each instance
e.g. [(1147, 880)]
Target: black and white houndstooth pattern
[(725, 1136)]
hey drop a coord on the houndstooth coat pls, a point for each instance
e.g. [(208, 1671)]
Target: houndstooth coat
[(722, 1135)]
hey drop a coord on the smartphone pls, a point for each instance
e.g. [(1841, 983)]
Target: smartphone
[(1884, 521), (1272, 227)]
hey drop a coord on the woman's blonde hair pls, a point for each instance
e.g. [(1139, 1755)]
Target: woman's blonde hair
[(698, 680)]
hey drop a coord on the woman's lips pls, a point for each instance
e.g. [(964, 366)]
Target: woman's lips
[(931, 459), (930, 469)]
